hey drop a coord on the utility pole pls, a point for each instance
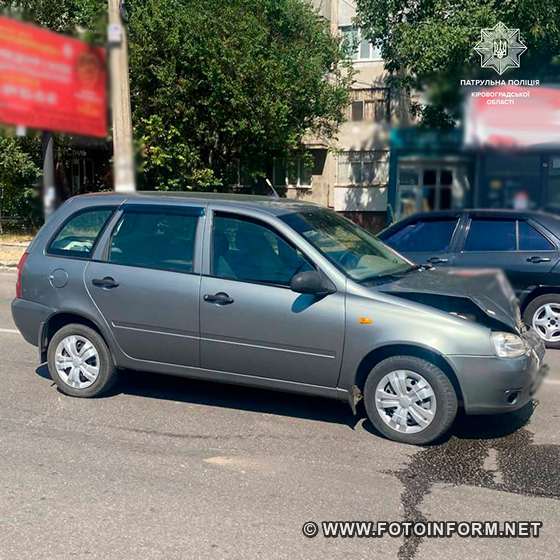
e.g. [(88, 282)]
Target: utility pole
[(123, 152)]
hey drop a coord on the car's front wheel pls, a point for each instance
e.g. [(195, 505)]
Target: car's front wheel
[(410, 400), (543, 315), (79, 361)]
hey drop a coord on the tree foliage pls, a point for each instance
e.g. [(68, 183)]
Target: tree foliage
[(19, 172), (228, 81), (428, 45)]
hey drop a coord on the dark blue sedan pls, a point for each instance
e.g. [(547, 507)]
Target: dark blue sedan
[(525, 245)]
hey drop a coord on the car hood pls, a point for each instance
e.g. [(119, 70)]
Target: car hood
[(483, 295)]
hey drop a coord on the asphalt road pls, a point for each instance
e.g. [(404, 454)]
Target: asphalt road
[(176, 469)]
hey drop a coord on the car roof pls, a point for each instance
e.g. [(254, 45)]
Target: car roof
[(269, 204), (489, 212)]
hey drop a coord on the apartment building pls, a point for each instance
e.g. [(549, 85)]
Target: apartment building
[(351, 172)]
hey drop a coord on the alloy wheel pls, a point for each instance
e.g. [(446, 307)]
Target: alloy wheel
[(546, 321)]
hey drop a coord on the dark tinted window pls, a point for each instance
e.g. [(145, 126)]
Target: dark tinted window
[(491, 235), (248, 251), (531, 240), (155, 240), (431, 236), (78, 236)]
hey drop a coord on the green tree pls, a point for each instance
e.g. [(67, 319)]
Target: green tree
[(62, 16), (19, 172), (228, 81), (428, 45)]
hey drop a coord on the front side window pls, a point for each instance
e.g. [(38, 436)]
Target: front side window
[(491, 235), (349, 247), (78, 236), (249, 251), (424, 236), (158, 239)]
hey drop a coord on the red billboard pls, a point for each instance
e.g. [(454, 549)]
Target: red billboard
[(51, 82)]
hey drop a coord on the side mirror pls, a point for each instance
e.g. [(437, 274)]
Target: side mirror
[(312, 282)]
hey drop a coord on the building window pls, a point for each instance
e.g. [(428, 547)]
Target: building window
[(357, 110), (362, 168), (293, 172), (358, 47)]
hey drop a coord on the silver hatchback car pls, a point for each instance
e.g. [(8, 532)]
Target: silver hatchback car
[(275, 294)]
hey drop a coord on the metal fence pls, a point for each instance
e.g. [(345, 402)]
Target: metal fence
[(17, 225)]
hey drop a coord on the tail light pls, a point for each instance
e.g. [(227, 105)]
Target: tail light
[(21, 264)]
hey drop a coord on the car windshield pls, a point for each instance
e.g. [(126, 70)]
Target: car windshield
[(349, 247)]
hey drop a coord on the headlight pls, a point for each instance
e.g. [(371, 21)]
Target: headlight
[(508, 345)]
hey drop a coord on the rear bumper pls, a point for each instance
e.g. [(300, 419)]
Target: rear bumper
[(493, 385), (29, 318)]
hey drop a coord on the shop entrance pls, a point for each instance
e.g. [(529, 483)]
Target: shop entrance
[(425, 186)]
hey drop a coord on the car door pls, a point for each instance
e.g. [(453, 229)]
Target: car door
[(251, 322), (147, 283), (537, 255), (426, 240), (511, 245), (489, 242)]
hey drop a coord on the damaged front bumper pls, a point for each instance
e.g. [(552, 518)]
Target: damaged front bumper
[(492, 385)]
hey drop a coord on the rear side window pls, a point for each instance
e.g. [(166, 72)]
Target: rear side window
[(431, 236), (491, 235), (532, 240), (155, 239), (78, 236)]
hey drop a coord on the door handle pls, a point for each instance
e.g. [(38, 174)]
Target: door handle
[(437, 260), (107, 283), (221, 298), (538, 259)]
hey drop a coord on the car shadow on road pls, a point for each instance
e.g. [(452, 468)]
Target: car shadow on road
[(193, 391), (289, 404)]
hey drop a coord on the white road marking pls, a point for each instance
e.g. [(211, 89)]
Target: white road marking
[(9, 331)]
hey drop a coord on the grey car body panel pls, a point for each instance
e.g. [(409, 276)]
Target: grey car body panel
[(269, 336)]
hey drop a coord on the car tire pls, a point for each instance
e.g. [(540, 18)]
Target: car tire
[(421, 379), (534, 308), (89, 370)]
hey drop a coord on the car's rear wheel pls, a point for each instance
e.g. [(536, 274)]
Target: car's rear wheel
[(543, 315), (410, 400), (79, 362)]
